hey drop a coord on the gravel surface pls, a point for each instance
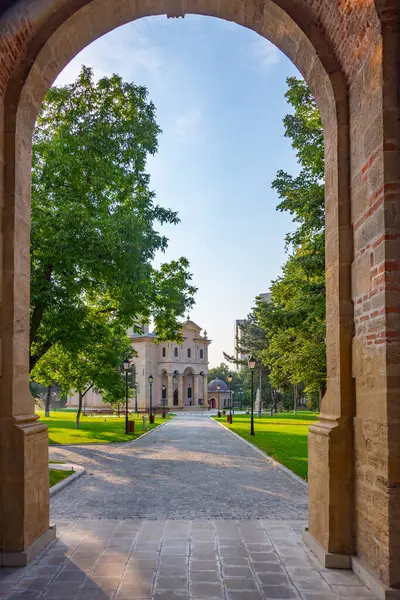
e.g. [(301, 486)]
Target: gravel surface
[(191, 468)]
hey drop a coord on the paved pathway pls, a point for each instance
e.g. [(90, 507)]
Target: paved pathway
[(179, 560), (190, 468), (184, 476)]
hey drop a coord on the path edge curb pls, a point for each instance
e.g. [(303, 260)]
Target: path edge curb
[(269, 458), (79, 471)]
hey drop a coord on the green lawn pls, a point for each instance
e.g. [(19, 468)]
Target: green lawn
[(283, 436), (57, 476), (92, 430)]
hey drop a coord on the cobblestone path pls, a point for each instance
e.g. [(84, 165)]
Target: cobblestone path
[(191, 468)]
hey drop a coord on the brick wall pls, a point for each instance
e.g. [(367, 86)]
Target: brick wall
[(347, 50)]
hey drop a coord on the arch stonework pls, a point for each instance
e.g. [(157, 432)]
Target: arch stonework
[(348, 53)]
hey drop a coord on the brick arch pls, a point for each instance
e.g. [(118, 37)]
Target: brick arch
[(347, 52)]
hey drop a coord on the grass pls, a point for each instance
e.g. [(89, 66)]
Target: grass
[(93, 430), (283, 436), (57, 476)]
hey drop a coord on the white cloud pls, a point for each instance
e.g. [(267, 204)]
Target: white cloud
[(126, 50), (266, 54)]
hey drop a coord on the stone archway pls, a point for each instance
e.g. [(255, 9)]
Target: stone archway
[(347, 53)]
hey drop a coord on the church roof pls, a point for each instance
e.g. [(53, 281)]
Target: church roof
[(190, 325), (212, 386), (135, 336)]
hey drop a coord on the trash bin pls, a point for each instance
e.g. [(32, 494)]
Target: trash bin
[(229, 418), (131, 426), (151, 419)]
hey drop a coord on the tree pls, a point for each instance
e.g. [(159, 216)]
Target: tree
[(98, 366), (294, 319), (252, 342), (94, 218)]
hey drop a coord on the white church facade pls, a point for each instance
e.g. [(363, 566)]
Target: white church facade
[(179, 372)]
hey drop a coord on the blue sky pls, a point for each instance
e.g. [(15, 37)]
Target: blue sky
[(219, 91)]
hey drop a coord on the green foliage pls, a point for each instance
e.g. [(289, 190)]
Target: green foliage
[(56, 476), (238, 387), (294, 320), (97, 366), (94, 218)]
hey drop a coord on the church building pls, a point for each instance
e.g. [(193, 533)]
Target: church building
[(178, 372)]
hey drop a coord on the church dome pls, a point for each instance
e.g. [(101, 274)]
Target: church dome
[(212, 386)]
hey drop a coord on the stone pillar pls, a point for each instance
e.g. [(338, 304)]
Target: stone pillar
[(180, 390), (170, 392), (196, 389), (330, 442), (205, 394), (24, 474)]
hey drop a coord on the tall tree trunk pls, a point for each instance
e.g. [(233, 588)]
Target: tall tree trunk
[(295, 393), (78, 414), (48, 399), (81, 396), (261, 394)]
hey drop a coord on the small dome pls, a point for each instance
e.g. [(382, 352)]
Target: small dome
[(212, 386)]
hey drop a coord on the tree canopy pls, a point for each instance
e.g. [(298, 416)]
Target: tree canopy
[(294, 319), (95, 219), (96, 366)]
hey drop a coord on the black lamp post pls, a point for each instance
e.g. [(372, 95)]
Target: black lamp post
[(126, 365), (230, 397), (252, 364), (219, 412), (151, 398), (163, 399), (135, 392)]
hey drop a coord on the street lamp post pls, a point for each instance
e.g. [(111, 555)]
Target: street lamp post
[(163, 398), (230, 398), (151, 419), (126, 365), (219, 412), (252, 364)]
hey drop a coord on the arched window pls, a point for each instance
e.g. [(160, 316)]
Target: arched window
[(189, 392), (189, 352), (163, 352), (176, 352), (201, 353)]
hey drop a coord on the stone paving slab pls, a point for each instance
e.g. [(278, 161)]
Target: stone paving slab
[(190, 468), (187, 513), (178, 560)]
